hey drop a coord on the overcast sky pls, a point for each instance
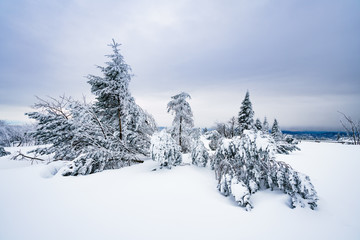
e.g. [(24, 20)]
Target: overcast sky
[(300, 60)]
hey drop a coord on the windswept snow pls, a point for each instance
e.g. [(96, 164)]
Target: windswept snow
[(181, 203)]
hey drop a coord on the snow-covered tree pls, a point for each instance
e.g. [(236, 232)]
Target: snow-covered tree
[(165, 150), (232, 126), (97, 147), (3, 152), (246, 114), (94, 137), (183, 120), (265, 126), (73, 131), (199, 154), (141, 126), (112, 92), (195, 134), (284, 143), (228, 129), (246, 164), (258, 125), (275, 131), (214, 137), (54, 128), (352, 128), (15, 135)]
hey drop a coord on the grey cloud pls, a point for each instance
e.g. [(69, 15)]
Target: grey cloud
[(295, 49)]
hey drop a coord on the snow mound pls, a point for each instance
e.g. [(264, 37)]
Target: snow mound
[(52, 169)]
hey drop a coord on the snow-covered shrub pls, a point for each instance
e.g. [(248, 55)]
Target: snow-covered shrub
[(165, 150), (214, 137), (249, 160), (97, 159), (283, 147), (296, 184), (199, 154), (3, 152)]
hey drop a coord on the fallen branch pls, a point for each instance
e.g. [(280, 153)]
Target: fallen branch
[(23, 156)]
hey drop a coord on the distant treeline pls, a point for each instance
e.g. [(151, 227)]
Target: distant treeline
[(316, 135)]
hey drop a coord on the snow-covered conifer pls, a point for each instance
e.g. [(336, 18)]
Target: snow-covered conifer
[(265, 126), (112, 92), (74, 132), (183, 120), (195, 134), (199, 154), (258, 125), (214, 137), (141, 126), (275, 131), (3, 152), (284, 143), (165, 150), (103, 135), (246, 114), (54, 128)]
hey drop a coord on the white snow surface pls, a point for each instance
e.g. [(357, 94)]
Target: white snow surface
[(181, 203)]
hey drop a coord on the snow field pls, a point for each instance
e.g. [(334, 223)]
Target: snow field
[(181, 203)]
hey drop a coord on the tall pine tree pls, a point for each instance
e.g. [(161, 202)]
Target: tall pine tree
[(183, 121), (246, 114)]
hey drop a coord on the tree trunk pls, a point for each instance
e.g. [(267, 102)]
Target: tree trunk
[(119, 116)]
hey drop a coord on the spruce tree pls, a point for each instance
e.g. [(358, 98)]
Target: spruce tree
[(266, 127), (112, 91), (54, 128), (258, 125), (275, 131), (94, 137), (246, 114), (183, 121)]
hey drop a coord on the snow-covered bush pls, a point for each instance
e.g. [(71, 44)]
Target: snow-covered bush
[(3, 152), (249, 160), (199, 154), (96, 160), (165, 150), (214, 137)]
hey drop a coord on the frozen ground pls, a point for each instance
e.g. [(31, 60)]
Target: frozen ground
[(182, 203)]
